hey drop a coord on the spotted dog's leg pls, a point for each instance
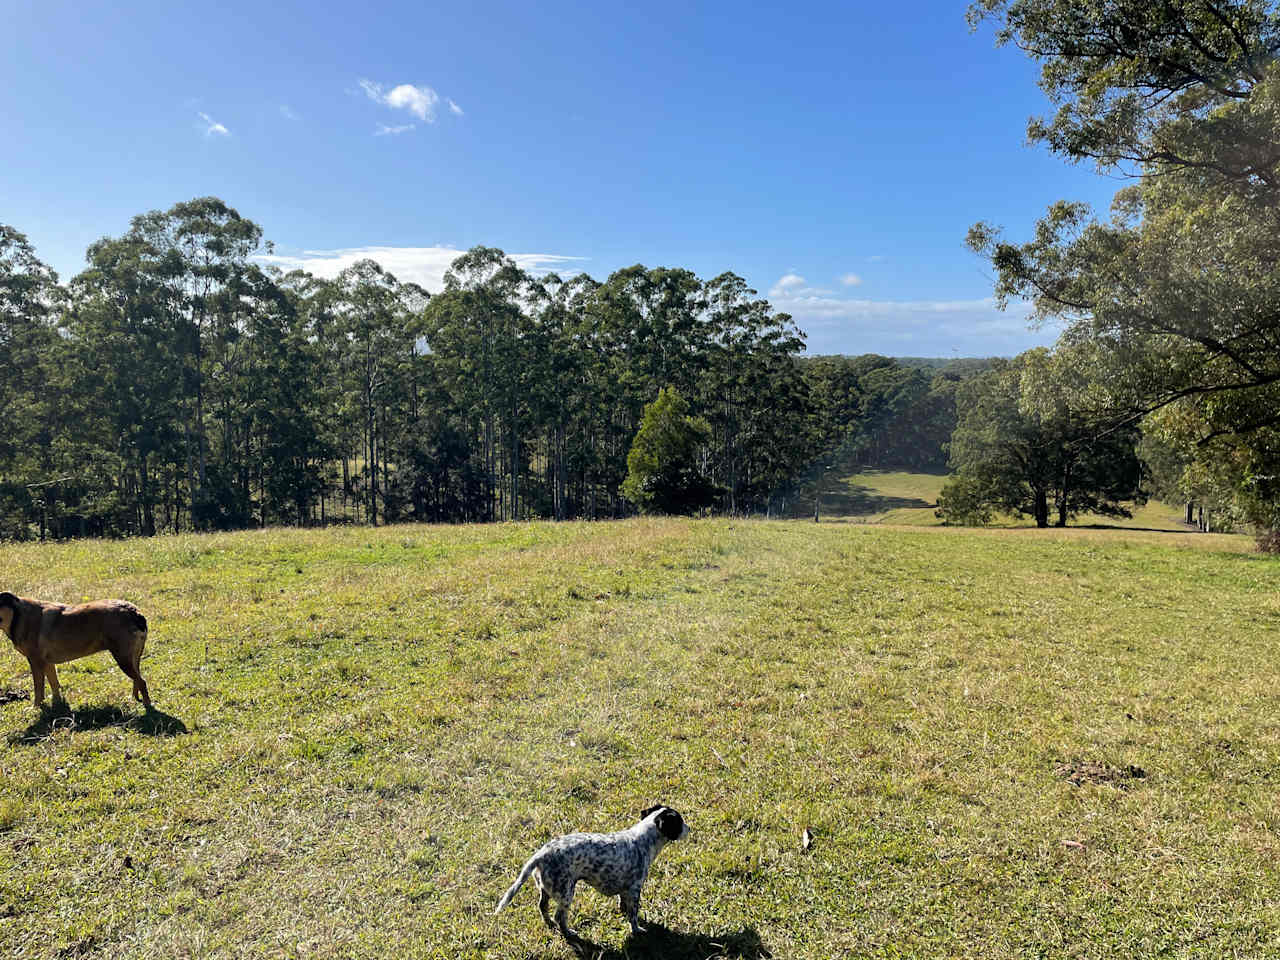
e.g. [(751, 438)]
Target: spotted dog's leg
[(544, 900), (630, 904), (562, 921)]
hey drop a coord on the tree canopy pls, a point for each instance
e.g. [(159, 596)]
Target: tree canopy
[(1177, 294)]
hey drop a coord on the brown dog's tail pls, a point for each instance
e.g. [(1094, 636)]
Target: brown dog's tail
[(524, 875), (138, 620)]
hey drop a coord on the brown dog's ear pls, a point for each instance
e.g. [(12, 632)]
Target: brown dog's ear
[(648, 810)]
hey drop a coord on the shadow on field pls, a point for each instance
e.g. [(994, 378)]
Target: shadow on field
[(152, 723), (660, 943), (855, 500)]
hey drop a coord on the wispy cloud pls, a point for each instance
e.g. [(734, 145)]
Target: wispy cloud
[(384, 130), (793, 285), (851, 280), (212, 127), (838, 324), (418, 100), (788, 282), (287, 112), (425, 266)]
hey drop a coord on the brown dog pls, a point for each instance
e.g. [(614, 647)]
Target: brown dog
[(49, 633)]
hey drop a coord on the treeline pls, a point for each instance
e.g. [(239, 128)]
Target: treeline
[(178, 384)]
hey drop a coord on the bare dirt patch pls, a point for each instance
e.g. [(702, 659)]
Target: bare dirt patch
[(1080, 772)]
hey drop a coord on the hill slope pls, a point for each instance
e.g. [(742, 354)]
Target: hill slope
[(1006, 743)]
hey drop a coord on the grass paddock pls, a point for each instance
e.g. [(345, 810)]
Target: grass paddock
[(1006, 743)]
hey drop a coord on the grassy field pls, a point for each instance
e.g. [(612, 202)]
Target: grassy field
[(897, 497), (1007, 743)]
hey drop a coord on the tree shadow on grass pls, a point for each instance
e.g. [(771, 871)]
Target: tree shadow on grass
[(151, 723), (660, 943), (856, 500)]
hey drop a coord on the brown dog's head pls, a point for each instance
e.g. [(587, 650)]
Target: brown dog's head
[(668, 821), (8, 612)]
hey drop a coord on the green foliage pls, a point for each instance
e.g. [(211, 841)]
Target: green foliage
[(1025, 445), (197, 390), (1178, 293), (886, 413), (663, 466)]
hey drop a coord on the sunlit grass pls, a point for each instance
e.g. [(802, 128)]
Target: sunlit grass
[(381, 725)]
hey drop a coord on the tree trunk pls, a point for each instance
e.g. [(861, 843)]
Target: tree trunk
[(1042, 508)]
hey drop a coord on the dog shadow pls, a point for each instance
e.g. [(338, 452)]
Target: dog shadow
[(661, 943), (59, 716)]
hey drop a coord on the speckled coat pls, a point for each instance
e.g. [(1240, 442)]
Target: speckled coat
[(616, 864)]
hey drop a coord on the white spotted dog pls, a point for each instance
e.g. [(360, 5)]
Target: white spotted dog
[(616, 864)]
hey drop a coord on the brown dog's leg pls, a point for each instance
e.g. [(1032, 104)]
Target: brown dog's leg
[(37, 680), (140, 685), (125, 663), (51, 672)]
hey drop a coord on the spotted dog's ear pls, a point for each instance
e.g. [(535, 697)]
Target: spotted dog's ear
[(648, 810), (670, 824)]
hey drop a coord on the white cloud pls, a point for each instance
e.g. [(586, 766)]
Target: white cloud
[(212, 126), (454, 108), (851, 280), (287, 112), (910, 327), (788, 284), (383, 130), (793, 285), (419, 101), (425, 266)]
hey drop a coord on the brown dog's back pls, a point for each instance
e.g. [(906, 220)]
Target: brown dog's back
[(51, 633)]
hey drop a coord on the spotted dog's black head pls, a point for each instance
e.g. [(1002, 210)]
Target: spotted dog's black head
[(669, 822)]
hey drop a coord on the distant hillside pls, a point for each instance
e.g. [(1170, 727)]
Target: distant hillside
[(962, 366)]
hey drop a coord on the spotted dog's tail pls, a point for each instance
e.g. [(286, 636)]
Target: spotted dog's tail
[(528, 868)]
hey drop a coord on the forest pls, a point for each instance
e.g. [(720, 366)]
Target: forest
[(178, 383)]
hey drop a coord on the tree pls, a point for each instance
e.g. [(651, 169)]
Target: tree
[(663, 473), (1021, 447), (1180, 290), (29, 346)]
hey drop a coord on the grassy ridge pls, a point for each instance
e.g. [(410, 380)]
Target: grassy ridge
[(1007, 743)]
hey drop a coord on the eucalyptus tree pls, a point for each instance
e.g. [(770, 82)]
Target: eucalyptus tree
[(1025, 445), (283, 399), (374, 325), (29, 298), (477, 329), (127, 360), (192, 258), (753, 394), (1181, 287), (563, 402)]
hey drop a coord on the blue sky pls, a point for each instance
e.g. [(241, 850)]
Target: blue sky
[(833, 154)]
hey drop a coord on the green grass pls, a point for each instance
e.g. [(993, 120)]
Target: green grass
[(910, 499), (1007, 743)]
